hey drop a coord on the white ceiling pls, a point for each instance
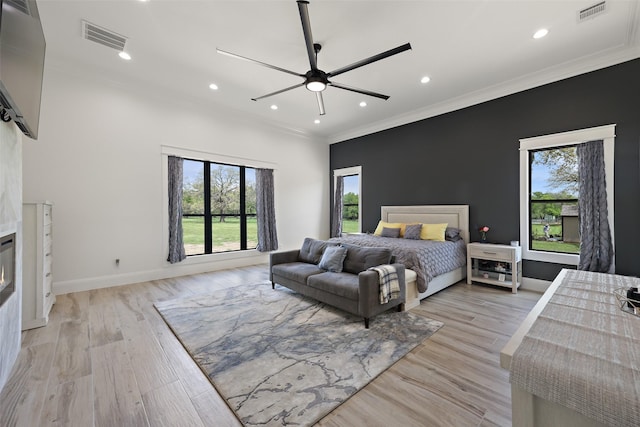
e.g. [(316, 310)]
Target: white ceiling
[(473, 51)]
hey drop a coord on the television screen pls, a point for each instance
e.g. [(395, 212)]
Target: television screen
[(22, 50)]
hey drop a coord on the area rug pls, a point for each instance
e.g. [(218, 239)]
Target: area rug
[(279, 358)]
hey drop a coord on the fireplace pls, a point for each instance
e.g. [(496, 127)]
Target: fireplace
[(7, 267)]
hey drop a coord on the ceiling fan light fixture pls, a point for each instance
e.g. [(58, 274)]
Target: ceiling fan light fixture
[(315, 84)]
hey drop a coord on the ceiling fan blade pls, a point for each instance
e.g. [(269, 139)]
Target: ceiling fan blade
[(320, 103), (306, 29), (277, 92), (362, 91), (371, 59), (273, 67)]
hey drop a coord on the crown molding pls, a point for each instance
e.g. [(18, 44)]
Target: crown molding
[(613, 56)]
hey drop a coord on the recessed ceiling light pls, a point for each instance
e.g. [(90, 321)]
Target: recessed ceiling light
[(213, 86), (540, 33), (425, 79), (124, 55), (274, 107), (363, 104), (316, 121)]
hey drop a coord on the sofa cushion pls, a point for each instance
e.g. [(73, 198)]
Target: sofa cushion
[(297, 271), (312, 250), (360, 259), (344, 285), (332, 258)]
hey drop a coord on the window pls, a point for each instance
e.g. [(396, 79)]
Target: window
[(553, 205), (549, 193), (351, 203), (219, 207)]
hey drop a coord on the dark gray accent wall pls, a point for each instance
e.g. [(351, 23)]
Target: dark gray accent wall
[(470, 156)]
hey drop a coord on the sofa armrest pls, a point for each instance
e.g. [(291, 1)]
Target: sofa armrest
[(369, 285), (282, 257)]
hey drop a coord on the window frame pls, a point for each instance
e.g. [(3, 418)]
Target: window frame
[(561, 201), (605, 133), (354, 170), (169, 150), (208, 215)]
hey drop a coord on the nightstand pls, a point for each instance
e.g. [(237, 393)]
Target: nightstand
[(499, 265)]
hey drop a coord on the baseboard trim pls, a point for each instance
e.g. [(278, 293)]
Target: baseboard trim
[(535, 285), (79, 285)]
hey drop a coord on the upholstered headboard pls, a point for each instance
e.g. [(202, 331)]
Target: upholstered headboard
[(454, 215)]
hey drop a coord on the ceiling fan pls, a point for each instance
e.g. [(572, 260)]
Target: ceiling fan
[(315, 79)]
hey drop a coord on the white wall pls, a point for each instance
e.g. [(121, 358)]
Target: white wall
[(99, 160)]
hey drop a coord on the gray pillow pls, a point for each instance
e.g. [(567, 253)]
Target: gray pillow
[(412, 231), (390, 232), (452, 234), (359, 259), (332, 258), (311, 250)]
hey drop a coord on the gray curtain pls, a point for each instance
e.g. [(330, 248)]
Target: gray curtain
[(176, 245), (336, 222), (265, 210), (596, 248)]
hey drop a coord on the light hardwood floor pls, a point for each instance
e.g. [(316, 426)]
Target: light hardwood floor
[(107, 358)]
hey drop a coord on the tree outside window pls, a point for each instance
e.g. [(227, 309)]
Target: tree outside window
[(219, 207)]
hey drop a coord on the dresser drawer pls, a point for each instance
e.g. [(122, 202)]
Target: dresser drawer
[(494, 252), (46, 237), (47, 265), (46, 214), (47, 293)]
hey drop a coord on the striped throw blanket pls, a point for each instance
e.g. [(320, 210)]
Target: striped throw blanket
[(389, 284)]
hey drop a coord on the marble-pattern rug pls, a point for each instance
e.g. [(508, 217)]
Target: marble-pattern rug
[(279, 358)]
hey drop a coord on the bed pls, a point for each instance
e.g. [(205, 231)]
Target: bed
[(432, 266)]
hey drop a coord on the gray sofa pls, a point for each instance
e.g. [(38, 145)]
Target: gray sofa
[(355, 289)]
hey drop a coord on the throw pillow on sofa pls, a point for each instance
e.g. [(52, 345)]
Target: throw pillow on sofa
[(312, 250), (360, 258), (332, 258)]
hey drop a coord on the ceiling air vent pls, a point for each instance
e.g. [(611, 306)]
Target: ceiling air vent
[(103, 36), (20, 5), (592, 11)]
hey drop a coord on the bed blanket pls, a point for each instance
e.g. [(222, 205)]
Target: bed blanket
[(426, 257)]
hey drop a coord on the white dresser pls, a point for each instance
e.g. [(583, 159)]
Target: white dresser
[(37, 262)]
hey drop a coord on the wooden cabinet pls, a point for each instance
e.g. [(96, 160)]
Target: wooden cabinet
[(499, 265), (37, 263)]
